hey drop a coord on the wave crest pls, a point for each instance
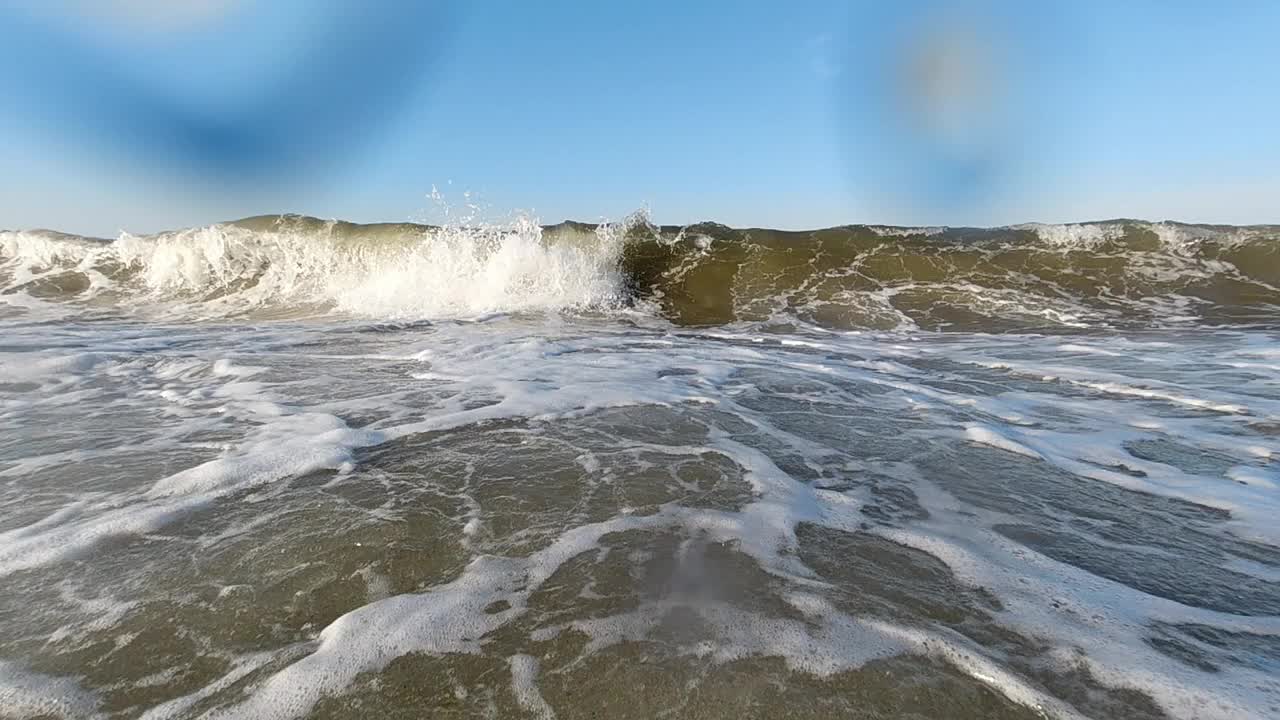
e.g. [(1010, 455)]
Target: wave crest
[(1017, 278), (301, 265)]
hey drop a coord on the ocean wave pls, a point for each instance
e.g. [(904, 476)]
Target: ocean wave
[(1023, 277)]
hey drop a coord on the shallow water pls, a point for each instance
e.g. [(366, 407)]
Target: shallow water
[(580, 514)]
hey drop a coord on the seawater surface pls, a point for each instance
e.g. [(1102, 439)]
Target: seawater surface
[(285, 468)]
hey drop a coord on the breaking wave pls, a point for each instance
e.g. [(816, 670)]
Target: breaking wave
[(1120, 273)]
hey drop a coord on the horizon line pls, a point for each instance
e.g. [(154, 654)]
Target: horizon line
[(674, 226)]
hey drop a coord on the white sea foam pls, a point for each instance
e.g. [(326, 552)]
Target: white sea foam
[(28, 694), (453, 271), (280, 401), (524, 684), (21, 367), (890, 231), (1081, 236), (181, 706), (1053, 600), (1174, 237), (445, 619), (987, 436), (286, 445)]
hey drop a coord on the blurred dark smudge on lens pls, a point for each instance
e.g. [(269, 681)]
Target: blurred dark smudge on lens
[(346, 71), (946, 112)]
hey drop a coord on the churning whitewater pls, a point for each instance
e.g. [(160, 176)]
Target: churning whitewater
[(287, 468), (1028, 277)]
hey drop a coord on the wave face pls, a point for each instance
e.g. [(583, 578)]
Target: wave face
[(1019, 278)]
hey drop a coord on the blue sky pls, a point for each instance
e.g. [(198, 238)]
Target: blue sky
[(143, 114)]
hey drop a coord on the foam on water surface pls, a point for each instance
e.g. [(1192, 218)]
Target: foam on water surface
[(524, 671), (24, 693), (331, 517)]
